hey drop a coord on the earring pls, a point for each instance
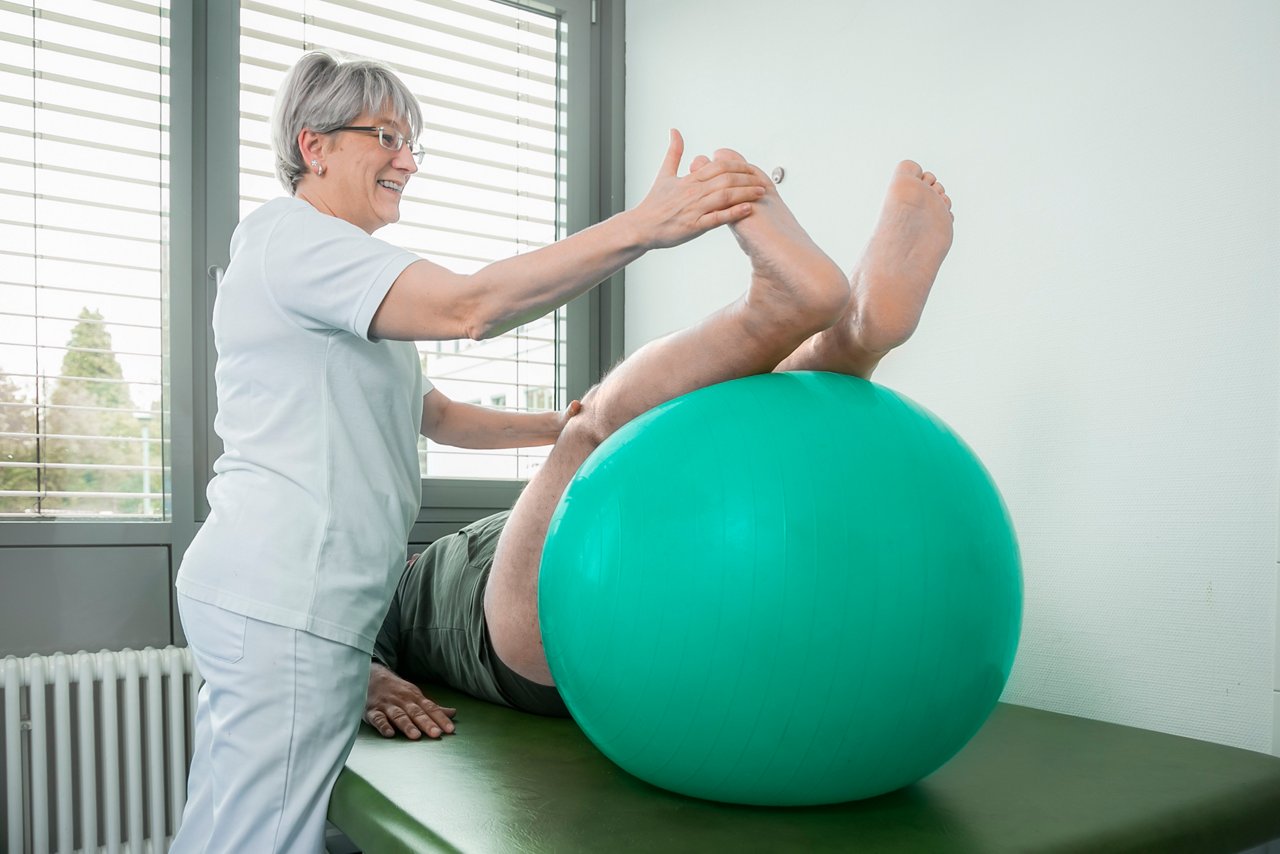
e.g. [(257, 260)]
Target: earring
[(315, 164)]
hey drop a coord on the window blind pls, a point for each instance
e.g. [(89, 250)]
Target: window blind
[(84, 216), (490, 78)]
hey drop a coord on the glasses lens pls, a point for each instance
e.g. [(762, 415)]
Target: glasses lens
[(390, 140), (418, 153)]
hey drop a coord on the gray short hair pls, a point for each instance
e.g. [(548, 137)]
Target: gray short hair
[(325, 90)]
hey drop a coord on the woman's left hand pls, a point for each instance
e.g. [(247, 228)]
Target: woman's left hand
[(678, 209), (569, 411)]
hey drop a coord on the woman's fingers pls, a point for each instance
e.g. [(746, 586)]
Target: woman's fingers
[(731, 196), (723, 216), (675, 151), (726, 192), (716, 168)]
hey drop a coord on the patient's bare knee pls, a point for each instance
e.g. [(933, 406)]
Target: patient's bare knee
[(586, 430), (604, 414)]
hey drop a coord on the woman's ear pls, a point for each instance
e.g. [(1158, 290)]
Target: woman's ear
[(311, 144)]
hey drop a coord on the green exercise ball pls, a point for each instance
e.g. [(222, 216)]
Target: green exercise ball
[(790, 589)]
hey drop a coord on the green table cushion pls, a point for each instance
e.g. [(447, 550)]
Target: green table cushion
[(1029, 781)]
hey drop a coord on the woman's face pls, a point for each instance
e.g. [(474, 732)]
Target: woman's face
[(365, 180)]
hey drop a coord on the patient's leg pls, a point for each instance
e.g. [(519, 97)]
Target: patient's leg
[(795, 291), (890, 283)]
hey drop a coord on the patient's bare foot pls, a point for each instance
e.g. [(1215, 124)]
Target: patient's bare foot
[(892, 281), (792, 280)]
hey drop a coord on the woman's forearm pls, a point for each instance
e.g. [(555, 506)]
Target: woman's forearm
[(517, 290), (464, 425)]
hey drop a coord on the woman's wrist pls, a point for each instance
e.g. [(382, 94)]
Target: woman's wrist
[(634, 237), (554, 423)]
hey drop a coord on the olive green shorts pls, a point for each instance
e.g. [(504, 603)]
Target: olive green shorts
[(436, 631)]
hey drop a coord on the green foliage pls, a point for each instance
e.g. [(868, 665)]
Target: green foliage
[(89, 424), (17, 415)]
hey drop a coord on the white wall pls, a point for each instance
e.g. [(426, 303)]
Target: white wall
[(1104, 332)]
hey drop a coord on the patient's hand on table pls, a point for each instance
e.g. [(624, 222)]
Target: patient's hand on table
[(394, 704)]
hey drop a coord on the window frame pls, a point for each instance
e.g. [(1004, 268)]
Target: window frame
[(204, 123), (55, 531)]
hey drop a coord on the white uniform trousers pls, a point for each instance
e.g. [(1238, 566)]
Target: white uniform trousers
[(275, 720)]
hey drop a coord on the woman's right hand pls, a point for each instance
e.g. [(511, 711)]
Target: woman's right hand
[(678, 209), (394, 704)]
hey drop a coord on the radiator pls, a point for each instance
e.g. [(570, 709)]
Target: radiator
[(96, 749)]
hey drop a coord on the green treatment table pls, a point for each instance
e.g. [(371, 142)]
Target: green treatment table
[(1030, 781)]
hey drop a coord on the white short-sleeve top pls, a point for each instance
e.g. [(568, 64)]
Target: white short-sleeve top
[(318, 485)]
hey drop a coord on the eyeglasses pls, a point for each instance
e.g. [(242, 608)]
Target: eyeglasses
[(388, 138)]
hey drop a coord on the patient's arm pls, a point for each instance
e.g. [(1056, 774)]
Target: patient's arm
[(464, 425), (394, 704)]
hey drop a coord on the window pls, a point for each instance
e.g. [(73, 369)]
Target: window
[(491, 81), (115, 200), (84, 237)]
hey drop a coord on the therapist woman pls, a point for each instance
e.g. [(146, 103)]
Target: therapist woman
[(320, 403)]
